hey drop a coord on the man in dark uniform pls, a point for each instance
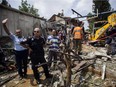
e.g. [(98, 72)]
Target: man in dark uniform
[(35, 45)]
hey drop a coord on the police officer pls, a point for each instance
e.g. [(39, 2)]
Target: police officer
[(35, 45), (21, 53)]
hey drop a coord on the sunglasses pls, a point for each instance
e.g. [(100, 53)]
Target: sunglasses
[(36, 31)]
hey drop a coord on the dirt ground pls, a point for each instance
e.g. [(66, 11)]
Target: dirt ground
[(28, 82)]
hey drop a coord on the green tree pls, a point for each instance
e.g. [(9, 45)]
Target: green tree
[(102, 6), (28, 8)]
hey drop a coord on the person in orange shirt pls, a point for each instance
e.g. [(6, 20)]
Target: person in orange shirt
[(77, 37)]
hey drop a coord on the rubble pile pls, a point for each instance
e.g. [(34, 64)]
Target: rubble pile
[(9, 63), (95, 77), (95, 70)]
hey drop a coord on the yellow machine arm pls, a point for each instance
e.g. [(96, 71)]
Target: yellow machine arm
[(112, 19), (101, 31)]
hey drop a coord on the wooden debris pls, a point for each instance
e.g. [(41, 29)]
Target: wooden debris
[(109, 73), (78, 65), (68, 67), (104, 70)]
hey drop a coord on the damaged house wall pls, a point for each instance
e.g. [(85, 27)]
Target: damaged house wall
[(21, 20)]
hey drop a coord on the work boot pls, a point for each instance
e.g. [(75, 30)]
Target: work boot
[(25, 76), (20, 77)]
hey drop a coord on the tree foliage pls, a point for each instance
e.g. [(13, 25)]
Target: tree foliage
[(102, 6), (5, 2), (28, 8)]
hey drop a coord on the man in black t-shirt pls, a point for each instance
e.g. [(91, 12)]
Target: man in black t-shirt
[(36, 51)]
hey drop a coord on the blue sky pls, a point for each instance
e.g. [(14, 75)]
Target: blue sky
[(49, 7)]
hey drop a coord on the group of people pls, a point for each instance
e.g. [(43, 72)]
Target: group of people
[(34, 47)]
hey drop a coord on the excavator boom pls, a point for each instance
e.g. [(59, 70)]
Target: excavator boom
[(100, 32)]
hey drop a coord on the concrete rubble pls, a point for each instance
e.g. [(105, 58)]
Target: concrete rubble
[(90, 76)]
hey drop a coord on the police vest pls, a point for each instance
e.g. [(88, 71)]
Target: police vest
[(77, 33)]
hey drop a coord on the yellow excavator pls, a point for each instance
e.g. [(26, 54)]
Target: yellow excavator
[(98, 36)]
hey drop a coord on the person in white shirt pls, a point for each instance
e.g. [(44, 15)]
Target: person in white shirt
[(21, 53)]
